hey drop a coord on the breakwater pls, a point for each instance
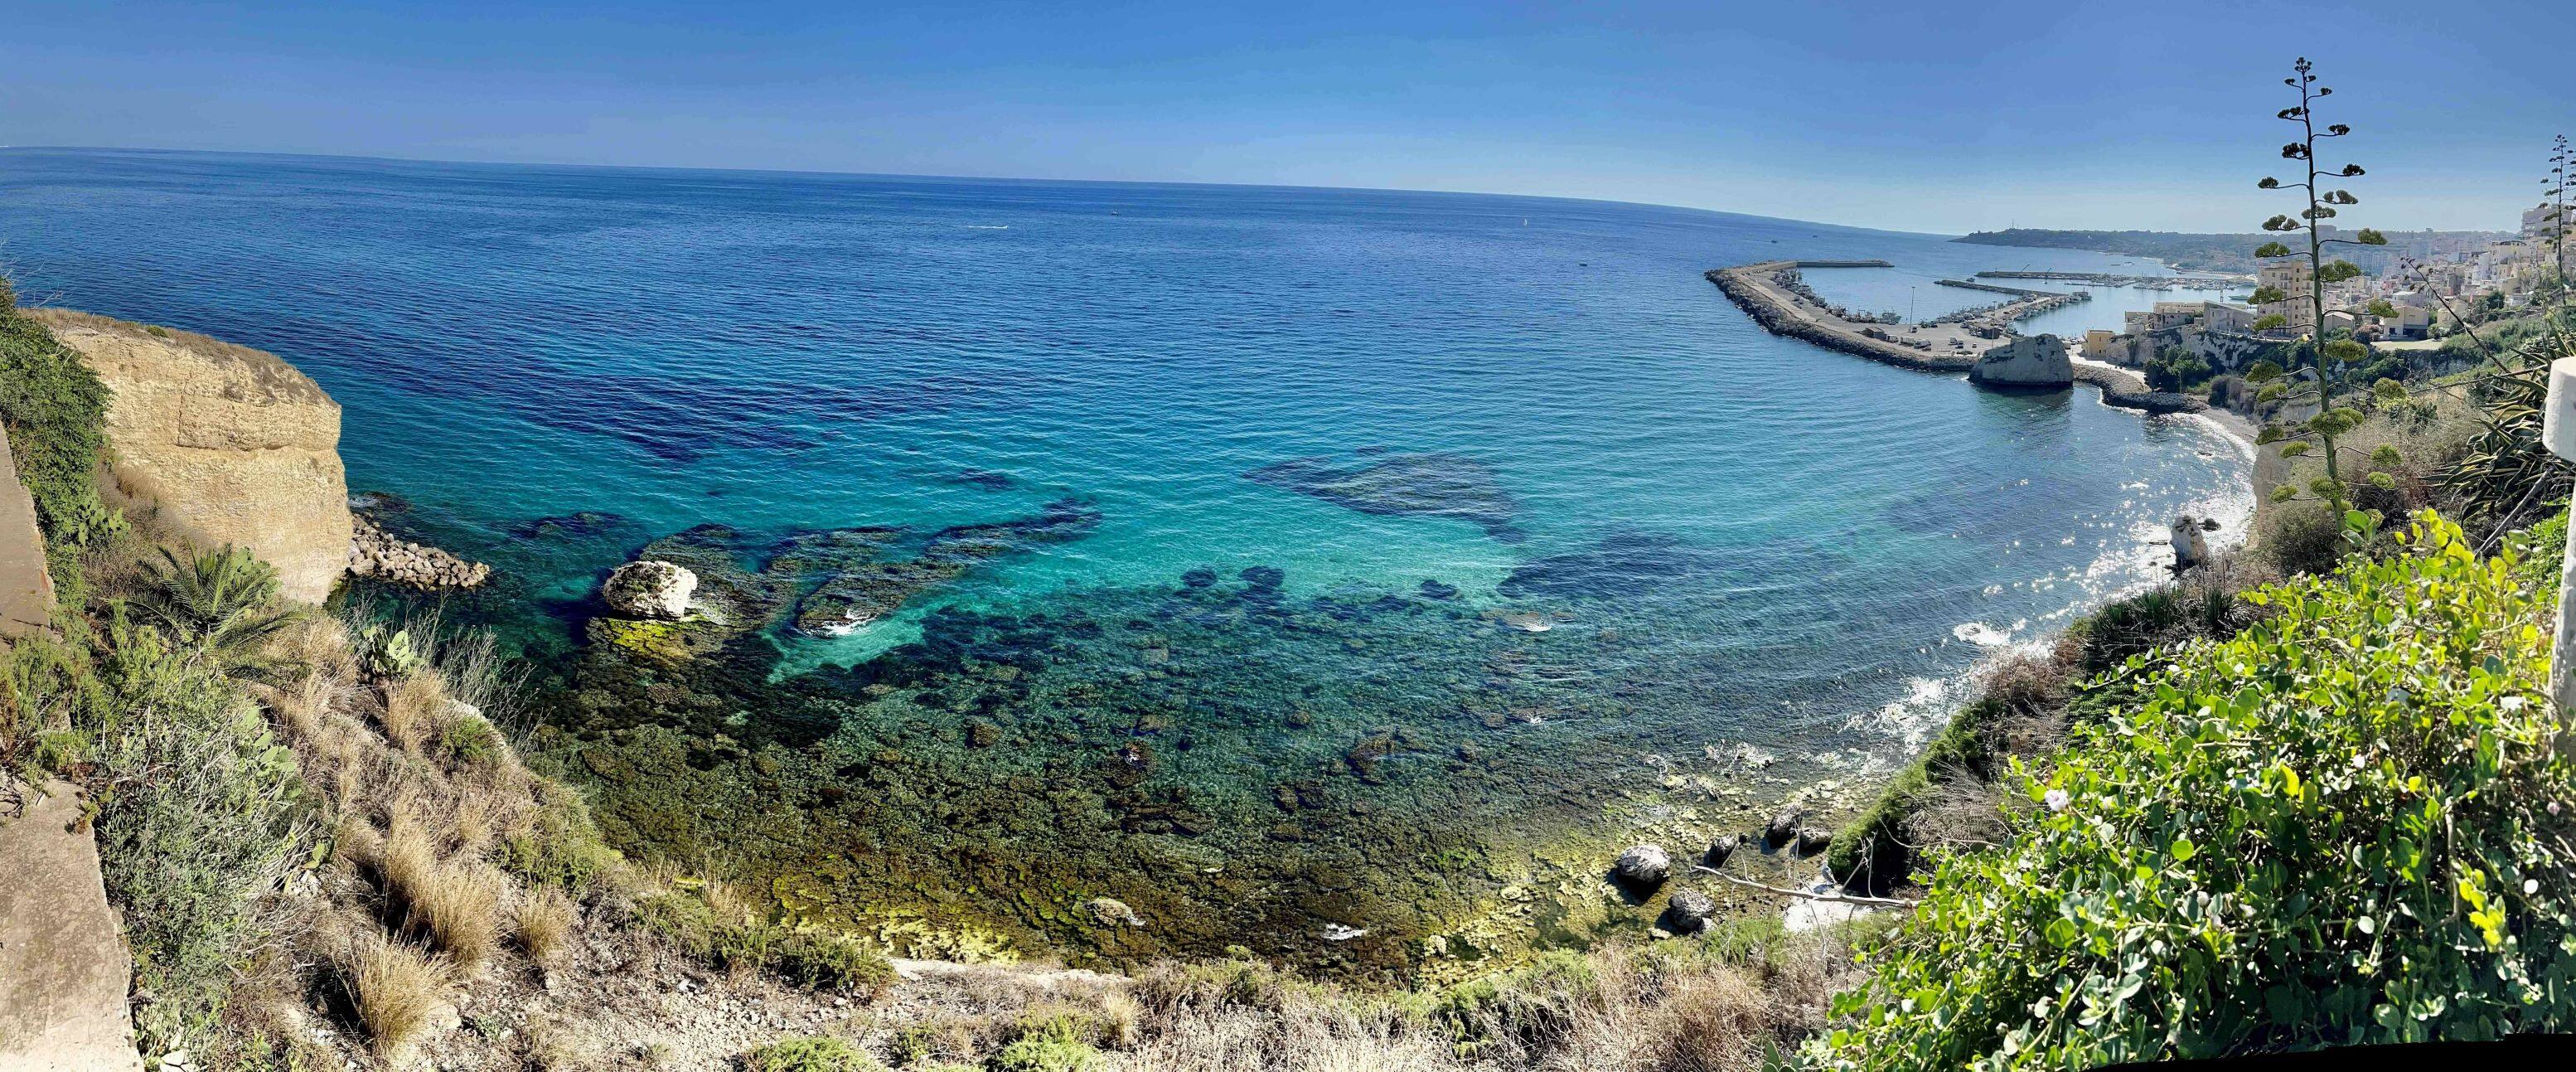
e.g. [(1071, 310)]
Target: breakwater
[(1779, 313), (1990, 288), (2002, 315), (2143, 282)]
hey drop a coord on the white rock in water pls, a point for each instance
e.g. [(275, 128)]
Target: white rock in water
[(1644, 863), (650, 589), (1336, 932)]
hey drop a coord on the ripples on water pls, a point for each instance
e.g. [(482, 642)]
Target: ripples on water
[(1728, 538)]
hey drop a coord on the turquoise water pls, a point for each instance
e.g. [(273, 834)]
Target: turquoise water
[(1733, 537)]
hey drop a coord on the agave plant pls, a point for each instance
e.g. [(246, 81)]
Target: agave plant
[(2504, 476), (221, 605)]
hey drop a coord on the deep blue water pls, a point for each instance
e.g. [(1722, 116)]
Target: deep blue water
[(1736, 539), (776, 351)]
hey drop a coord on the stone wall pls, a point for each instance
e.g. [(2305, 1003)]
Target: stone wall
[(231, 445)]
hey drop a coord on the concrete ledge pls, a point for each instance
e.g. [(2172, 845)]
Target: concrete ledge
[(63, 965)]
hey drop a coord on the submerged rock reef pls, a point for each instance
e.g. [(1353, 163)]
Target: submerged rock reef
[(1437, 484), (1360, 781), (1390, 779)]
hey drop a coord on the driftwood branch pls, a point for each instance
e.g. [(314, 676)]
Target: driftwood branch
[(1848, 898)]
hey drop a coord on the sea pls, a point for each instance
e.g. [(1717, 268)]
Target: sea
[(1291, 530)]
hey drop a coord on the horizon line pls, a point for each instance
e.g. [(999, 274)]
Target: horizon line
[(374, 158)]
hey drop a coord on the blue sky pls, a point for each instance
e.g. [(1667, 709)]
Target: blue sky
[(1915, 116)]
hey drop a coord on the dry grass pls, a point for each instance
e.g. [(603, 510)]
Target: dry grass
[(1300, 1032), (1717, 1005), (545, 920), (455, 904), (415, 707), (397, 989)]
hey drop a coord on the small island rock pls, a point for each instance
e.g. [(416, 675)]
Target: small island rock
[(650, 589), (1643, 864), (1783, 829), (1724, 847), (2035, 362)]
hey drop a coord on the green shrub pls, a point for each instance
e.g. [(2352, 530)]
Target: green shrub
[(800, 1053), (56, 412), (1047, 1051), (818, 959), (221, 604), (387, 652), (559, 843), (2333, 828), (200, 815), (1875, 849), (469, 739), (2301, 537), (686, 919), (807, 956), (2541, 549)]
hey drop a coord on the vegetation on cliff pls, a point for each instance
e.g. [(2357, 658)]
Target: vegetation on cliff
[(56, 411), (2342, 825)]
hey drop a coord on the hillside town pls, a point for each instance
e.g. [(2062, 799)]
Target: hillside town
[(2411, 304)]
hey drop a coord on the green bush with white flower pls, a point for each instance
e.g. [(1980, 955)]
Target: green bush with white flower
[(2353, 822)]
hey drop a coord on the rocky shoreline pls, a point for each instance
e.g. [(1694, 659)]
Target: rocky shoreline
[(1742, 285), (374, 552)]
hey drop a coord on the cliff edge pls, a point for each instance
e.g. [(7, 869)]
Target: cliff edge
[(232, 445)]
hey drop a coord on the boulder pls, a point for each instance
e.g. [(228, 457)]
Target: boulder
[(1722, 848), (650, 589), (1783, 829), (1812, 841), (1643, 864), (228, 445), (1112, 912), (2033, 362), (1688, 911)]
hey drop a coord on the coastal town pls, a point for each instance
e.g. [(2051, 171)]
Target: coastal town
[(2176, 356)]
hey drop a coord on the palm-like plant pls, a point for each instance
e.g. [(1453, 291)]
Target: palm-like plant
[(221, 605)]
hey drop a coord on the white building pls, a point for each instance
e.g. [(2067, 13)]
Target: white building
[(2293, 278), (2227, 318)]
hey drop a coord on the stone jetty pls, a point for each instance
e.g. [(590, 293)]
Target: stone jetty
[(2000, 317), (1751, 288), (2143, 282)]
